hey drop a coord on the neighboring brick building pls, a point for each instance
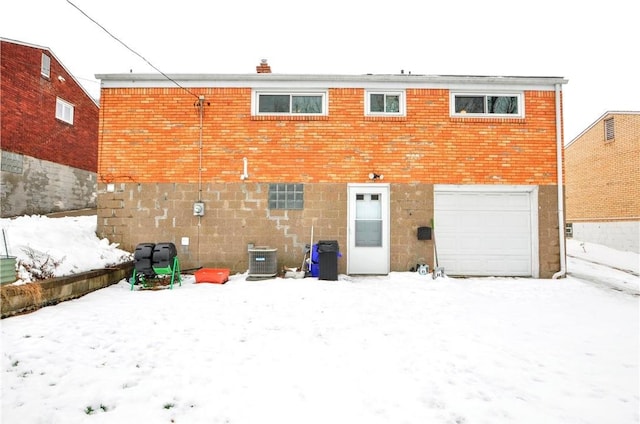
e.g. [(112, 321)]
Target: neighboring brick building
[(603, 182), (365, 160), (48, 134)]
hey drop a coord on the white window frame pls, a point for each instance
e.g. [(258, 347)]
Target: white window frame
[(255, 101), (485, 94), (45, 66), (367, 102), (64, 111)]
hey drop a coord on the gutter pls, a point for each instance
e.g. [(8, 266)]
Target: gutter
[(561, 236)]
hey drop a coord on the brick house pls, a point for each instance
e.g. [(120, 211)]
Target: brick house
[(603, 182), (49, 134), (215, 163)]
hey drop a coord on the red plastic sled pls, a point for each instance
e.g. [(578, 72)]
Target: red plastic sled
[(212, 275)]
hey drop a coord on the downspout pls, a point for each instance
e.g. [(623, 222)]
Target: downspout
[(561, 236)]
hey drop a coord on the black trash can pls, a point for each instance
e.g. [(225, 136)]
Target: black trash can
[(328, 259)]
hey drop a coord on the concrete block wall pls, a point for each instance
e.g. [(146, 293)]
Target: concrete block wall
[(34, 186), (619, 235), (548, 231), (237, 215)]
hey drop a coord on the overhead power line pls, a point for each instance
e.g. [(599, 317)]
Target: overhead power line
[(131, 50)]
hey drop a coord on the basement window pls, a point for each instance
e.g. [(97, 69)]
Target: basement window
[(609, 130), (384, 103), (286, 196), (45, 67), (290, 103), (64, 111), (490, 104)]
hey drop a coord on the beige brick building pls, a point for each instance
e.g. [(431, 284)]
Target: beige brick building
[(603, 182)]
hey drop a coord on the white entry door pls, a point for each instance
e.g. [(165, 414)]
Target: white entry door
[(368, 229)]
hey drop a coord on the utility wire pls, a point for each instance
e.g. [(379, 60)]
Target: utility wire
[(132, 51)]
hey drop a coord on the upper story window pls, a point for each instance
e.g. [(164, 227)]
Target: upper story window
[(391, 103), (609, 130), (290, 103), (490, 104), (64, 111), (45, 67)]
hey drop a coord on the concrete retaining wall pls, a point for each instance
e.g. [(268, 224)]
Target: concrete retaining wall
[(34, 186), (17, 299), (618, 235)]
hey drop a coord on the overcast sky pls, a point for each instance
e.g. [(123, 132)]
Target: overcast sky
[(592, 44)]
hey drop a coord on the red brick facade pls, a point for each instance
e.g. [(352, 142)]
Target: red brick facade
[(152, 135), (28, 109)]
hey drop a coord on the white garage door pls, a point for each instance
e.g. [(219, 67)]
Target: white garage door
[(486, 230)]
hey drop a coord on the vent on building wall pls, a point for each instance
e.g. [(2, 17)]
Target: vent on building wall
[(609, 130)]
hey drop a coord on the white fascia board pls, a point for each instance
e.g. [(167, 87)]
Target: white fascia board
[(274, 81)]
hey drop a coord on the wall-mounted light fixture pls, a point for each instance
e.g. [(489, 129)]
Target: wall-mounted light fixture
[(374, 176)]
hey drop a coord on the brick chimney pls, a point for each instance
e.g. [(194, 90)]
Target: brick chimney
[(264, 67)]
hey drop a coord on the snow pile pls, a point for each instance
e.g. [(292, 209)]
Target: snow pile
[(53, 247)]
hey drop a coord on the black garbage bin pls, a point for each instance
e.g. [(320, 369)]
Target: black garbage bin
[(328, 259)]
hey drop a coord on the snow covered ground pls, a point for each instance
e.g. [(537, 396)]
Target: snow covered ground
[(396, 349)]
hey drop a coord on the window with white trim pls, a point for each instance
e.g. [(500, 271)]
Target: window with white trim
[(487, 104), (45, 66), (64, 111), (384, 103), (290, 103)]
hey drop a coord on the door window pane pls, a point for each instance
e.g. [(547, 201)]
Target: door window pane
[(368, 222), (368, 233), (368, 208)]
